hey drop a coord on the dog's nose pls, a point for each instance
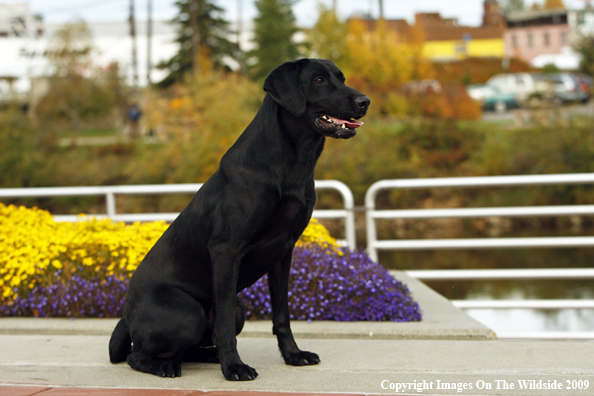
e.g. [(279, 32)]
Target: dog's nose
[(363, 102)]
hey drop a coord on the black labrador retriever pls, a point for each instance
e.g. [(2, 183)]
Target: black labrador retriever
[(243, 223)]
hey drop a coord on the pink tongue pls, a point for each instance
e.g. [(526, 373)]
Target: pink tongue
[(349, 124)]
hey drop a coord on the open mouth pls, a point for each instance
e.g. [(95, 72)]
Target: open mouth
[(336, 127)]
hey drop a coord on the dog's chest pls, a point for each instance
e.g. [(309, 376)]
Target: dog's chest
[(271, 247)]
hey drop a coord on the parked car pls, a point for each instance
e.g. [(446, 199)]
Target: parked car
[(478, 92), (567, 89), (586, 83), (498, 101), (524, 85)]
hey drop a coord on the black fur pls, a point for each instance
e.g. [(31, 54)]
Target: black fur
[(242, 224)]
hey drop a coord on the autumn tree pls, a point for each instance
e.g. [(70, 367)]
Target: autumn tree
[(548, 5), (382, 58), (553, 4), (78, 91), (70, 49)]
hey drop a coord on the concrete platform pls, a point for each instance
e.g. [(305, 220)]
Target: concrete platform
[(441, 321)]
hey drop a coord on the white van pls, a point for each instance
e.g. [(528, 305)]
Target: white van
[(525, 86)]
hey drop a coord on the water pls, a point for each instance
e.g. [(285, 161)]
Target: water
[(510, 320), (525, 320), (534, 321)]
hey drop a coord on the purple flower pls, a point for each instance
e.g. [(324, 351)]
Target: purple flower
[(64, 298), (326, 285)]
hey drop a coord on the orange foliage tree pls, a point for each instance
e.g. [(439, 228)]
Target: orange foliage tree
[(383, 64)]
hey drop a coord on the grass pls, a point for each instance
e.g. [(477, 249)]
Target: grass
[(89, 132)]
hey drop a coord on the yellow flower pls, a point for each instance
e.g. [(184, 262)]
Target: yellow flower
[(33, 247)]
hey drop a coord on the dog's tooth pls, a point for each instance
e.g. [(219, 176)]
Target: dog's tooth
[(343, 126)]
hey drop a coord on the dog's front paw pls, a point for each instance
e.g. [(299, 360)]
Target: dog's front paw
[(301, 358), (239, 372)]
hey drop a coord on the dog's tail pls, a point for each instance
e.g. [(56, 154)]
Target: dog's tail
[(120, 344)]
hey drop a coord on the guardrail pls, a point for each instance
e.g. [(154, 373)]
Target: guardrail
[(497, 274), (110, 193), (372, 214)]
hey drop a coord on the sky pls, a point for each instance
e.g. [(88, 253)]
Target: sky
[(469, 12)]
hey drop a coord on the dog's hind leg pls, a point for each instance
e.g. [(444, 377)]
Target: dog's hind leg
[(205, 352), (162, 333), (145, 363), (120, 343)]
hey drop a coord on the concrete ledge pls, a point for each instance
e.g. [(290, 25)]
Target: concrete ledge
[(441, 321)]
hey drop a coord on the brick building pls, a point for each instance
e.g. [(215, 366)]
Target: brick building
[(445, 39)]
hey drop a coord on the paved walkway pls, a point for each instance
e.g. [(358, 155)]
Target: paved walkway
[(46, 391), (348, 366)]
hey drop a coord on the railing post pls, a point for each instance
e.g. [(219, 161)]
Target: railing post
[(370, 222), (111, 204), (349, 207)]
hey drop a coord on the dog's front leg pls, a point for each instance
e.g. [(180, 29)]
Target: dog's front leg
[(225, 271), (278, 283)]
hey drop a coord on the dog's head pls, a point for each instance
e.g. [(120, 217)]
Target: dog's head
[(314, 89)]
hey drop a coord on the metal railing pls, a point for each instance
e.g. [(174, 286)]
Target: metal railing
[(111, 192), (498, 274), (518, 274), (373, 244), (372, 214)]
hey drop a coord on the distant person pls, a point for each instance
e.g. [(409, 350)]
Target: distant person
[(134, 113)]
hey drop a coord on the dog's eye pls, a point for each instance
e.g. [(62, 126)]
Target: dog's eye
[(319, 80)]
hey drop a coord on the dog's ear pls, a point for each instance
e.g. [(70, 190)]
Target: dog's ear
[(284, 86)]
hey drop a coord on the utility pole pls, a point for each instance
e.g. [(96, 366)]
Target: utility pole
[(335, 6), (194, 39), (133, 37), (240, 34), (239, 22), (381, 9), (149, 41)]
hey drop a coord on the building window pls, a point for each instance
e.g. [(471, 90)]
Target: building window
[(563, 38), (530, 40), (547, 39), (514, 39)]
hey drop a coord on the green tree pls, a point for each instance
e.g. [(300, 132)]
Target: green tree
[(20, 152), (511, 6), (213, 33), (274, 28), (327, 38), (585, 47)]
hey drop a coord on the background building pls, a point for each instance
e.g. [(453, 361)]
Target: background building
[(444, 39), (533, 33)]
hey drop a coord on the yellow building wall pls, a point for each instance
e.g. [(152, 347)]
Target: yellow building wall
[(457, 49)]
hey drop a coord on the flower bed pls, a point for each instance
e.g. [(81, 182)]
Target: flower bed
[(82, 270)]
